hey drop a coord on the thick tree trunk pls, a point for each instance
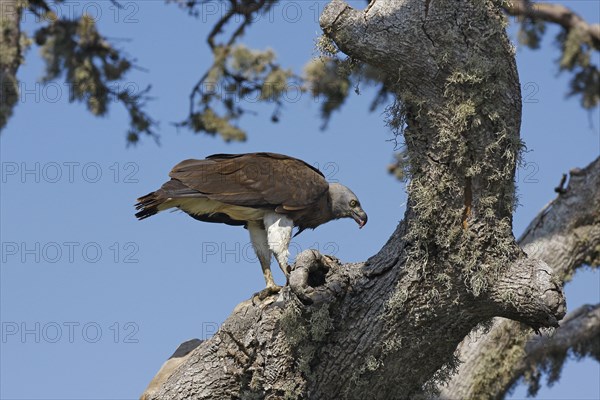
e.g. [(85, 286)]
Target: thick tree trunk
[(10, 56), (566, 234), (388, 328)]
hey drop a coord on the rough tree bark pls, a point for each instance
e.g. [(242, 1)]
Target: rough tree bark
[(388, 328), (566, 234)]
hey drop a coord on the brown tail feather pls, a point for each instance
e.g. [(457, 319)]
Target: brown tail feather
[(148, 205)]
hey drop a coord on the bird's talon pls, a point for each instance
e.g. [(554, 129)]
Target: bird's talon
[(266, 292)]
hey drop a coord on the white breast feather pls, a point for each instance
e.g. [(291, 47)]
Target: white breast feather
[(279, 233)]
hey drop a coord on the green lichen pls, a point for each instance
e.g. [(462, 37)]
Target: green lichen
[(290, 392), (14, 45), (305, 332), (250, 63), (360, 374), (326, 80), (293, 324), (93, 69), (238, 75), (210, 122), (372, 363), (275, 84), (320, 323), (531, 32), (470, 140), (592, 258), (326, 46), (397, 300), (499, 365)]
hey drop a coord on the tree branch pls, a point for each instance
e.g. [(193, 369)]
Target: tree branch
[(566, 233), (216, 86), (556, 13), (178, 357), (578, 335)]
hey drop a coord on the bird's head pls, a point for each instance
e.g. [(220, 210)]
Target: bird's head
[(345, 204)]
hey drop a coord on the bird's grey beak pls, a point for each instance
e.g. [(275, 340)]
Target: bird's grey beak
[(360, 218)]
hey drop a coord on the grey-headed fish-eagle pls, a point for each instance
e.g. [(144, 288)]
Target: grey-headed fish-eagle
[(267, 193)]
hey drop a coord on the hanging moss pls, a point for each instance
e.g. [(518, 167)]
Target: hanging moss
[(326, 46)]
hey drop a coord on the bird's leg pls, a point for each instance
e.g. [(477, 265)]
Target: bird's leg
[(258, 236), (279, 234), (268, 276)]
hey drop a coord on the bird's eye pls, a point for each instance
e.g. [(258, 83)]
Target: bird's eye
[(353, 203)]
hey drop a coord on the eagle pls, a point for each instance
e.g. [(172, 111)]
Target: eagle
[(267, 193)]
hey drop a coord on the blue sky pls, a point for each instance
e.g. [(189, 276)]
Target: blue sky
[(94, 301)]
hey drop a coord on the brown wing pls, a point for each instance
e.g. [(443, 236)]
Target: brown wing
[(254, 180)]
